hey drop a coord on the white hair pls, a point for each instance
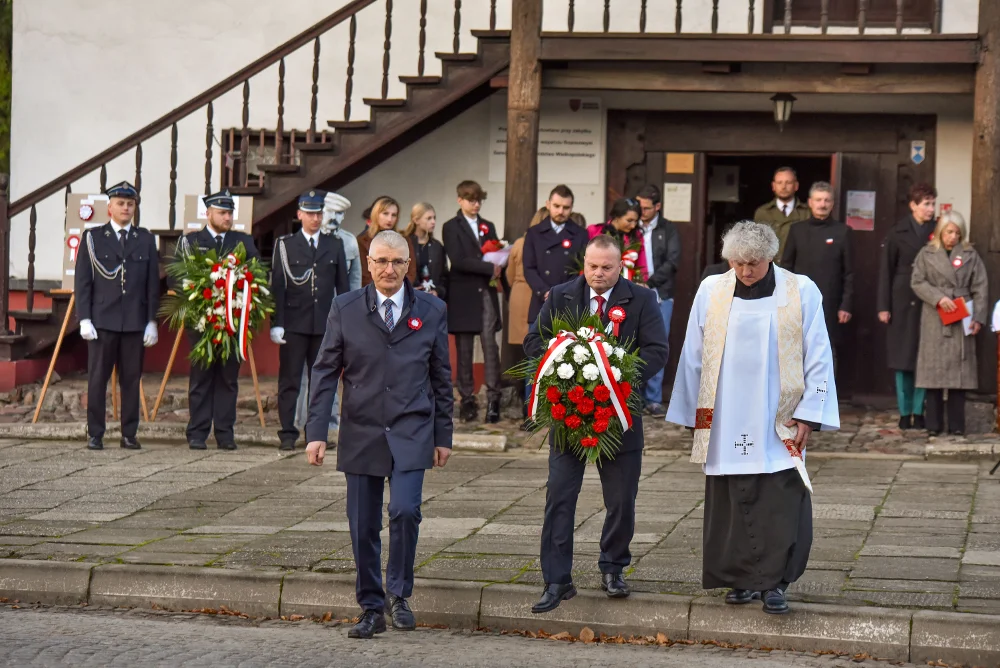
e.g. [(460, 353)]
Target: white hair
[(392, 240), (748, 241)]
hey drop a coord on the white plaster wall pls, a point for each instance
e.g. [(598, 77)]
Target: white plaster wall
[(953, 169)]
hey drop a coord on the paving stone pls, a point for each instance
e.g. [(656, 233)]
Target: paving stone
[(168, 558), (900, 568), (925, 586), (45, 550), (912, 539), (500, 529), (843, 512), (342, 527), (908, 599), (981, 557), (910, 551), (106, 536)]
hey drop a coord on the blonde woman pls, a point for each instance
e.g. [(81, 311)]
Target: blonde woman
[(384, 215), (430, 258), (945, 269)]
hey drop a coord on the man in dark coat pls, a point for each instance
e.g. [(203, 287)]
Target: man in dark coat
[(662, 245), (212, 392), (309, 269), (117, 286), (600, 289), (552, 249), (473, 305), (391, 344), (820, 248), (898, 307)]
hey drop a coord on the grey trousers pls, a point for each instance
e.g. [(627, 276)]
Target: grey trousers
[(464, 344), (302, 407)]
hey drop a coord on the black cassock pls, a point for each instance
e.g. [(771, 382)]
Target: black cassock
[(757, 530)]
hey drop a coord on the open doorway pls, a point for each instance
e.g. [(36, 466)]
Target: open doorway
[(738, 184)]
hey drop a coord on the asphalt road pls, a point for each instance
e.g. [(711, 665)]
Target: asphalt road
[(44, 636)]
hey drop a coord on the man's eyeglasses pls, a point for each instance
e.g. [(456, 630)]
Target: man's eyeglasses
[(382, 263)]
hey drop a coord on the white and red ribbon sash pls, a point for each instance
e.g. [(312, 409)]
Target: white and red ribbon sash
[(234, 273), (562, 341), (629, 261)]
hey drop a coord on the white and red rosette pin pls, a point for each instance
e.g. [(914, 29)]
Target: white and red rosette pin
[(414, 323), (617, 316), (957, 262), (484, 229), (86, 212), (567, 243)]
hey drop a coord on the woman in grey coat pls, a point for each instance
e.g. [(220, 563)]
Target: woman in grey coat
[(948, 268)]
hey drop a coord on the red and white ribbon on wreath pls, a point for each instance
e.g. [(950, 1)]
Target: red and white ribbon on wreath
[(74, 243), (629, 260), (594, 339), (234, 273)]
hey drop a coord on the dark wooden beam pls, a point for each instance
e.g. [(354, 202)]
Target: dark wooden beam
[(914, 49), (501, 81), (524, 95), (984, 217), (944, 83)]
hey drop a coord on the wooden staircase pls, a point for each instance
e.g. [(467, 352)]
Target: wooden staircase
[(36, 331)]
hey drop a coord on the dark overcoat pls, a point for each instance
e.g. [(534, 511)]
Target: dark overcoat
[(398, 401), (899, 251), (643, 327), (128, 302), (666, 244), (470, 274), (203, 239), (303, 309), (437, 265), (550, 259)]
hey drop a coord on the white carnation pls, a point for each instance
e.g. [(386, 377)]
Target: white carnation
[(559, 356), (617, 373), (580, 354), (550, 370), (620, 353), (565, 371), (590, 372)]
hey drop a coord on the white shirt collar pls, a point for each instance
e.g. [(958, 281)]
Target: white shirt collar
[(651, 225), (606, 295), (396, 299), (471, 221), (310, 236), (214, 233), (557, 227), (118, 228), (782, 205)]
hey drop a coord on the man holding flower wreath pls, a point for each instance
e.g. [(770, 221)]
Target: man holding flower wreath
[(632, 313)]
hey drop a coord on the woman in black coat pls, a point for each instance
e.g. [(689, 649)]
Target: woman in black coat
[(898, 306), (431, 261)]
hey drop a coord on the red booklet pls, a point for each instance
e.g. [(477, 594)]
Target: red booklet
[(956, 315)]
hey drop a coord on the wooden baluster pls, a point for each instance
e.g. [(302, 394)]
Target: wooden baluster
[(824, 15), (138, 182), (260, 154), (4, 256), (104, 178), (422, 40), (493, 14), (349, 89), (32, 238), (209, 136), (642, 16), (862, 16), (245, 134), (230, 152), (715, 16), (788, 16), (279, 133), (387, 46), (291, 147), (314, 103), (750, 18), (172, 210), (571, 16), (899, 17), (936, 28), (677, 16), (607, 15), (455, 43)]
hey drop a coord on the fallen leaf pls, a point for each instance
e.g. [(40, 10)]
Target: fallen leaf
[(586, 634), (296, 618), (661, 639), (327, 616), (562, 635)]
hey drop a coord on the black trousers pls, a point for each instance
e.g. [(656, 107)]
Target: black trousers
[(299, 349), (935, 410), (124, 350), (212, 396), (620, 484), (464, 348)]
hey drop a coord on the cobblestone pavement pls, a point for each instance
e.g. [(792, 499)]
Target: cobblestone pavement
[(864, 429), (78, 637), (887, 532)]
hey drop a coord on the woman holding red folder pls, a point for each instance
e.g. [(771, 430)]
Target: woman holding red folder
[(949, 277)]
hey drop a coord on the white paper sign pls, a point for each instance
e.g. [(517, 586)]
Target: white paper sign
[(677, 202)]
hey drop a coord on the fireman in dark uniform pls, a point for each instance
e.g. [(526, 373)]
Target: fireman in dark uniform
[(309, 269), (212, 392), (117, 285)]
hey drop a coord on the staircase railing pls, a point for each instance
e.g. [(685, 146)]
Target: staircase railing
[(235, 169)]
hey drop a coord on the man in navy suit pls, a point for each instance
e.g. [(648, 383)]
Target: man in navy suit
[(391, 344), (600, 289)]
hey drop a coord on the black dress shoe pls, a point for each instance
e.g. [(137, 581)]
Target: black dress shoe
[(227, 446), (402, 616), (905, 422), (287, 446), (131, 443), (774, 602), (957, 432), (553, 596), (469, 410), (197, 445), (95, 443), (614, 584), (493, 412), (371, 622), (741, 596), (918, 422)]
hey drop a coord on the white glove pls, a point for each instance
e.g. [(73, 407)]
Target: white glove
[(151, 336), (87, 330), (278, 335)]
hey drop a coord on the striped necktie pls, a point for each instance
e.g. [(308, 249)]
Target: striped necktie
[(390, 322)]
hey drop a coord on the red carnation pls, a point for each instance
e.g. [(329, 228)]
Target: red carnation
[(492, 246), (216, 267), (221, 283), (626, 389), (249, 276), (577, 394), (240, 284), (590, 442), (585, 406), (218, 304), (207, 293), (601, 426), (574, 422), (553, 394), (558, 412), (604, 413), (213, 318), (602, 393)]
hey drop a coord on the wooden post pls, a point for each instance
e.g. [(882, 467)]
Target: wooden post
[(983, 227), (166, 372), (256, 386), (55, 356), (142, 402), (524, 95)]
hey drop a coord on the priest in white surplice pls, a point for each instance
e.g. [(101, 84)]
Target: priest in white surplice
[(755, 378)]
